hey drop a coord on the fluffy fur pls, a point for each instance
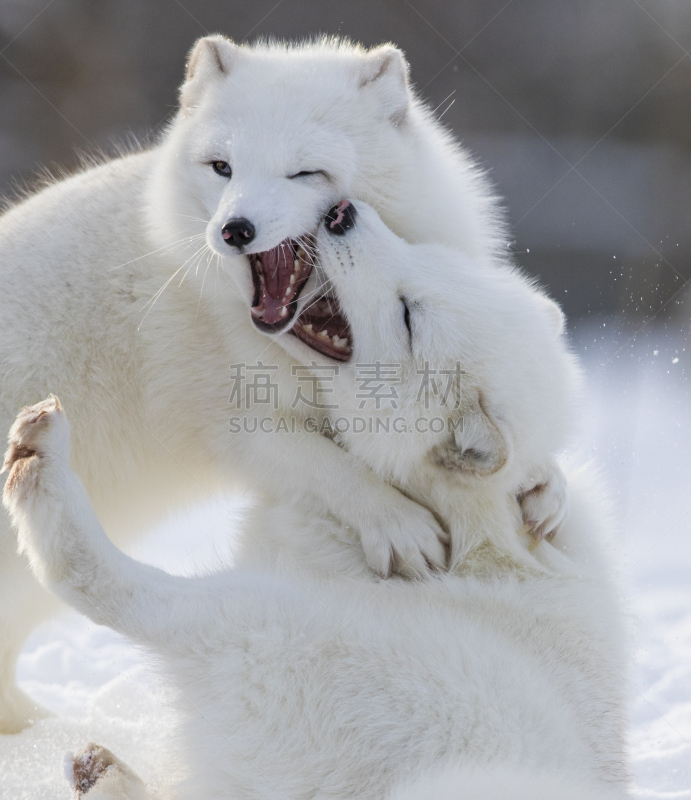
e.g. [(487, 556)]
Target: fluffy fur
[(119, 293), (495, 408), (514, 782), (310, 677)]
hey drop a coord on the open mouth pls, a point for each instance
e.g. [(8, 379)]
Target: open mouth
[(323, 327), (279, 275)]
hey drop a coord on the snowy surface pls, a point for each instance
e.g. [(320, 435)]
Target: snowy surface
[(636, 424)]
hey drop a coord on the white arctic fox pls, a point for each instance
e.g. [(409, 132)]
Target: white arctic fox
[(266, 139), (311, 677)]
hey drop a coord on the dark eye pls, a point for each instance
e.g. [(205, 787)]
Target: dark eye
[(406, 317), (222, 168), (306, 173)]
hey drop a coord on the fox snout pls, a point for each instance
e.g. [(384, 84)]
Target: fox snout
[(340, 218), (238, 232)]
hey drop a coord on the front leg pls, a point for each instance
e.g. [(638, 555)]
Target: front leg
[(397, 534), (70, 553)]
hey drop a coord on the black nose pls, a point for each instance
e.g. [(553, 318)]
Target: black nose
[(341, 218), (238, 232)]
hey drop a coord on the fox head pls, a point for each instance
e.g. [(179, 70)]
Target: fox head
[(267, 138)]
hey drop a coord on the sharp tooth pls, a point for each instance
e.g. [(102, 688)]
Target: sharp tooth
[(336, 340), (309, 328), (296, 266), (323, 334), (292, 279), (284, 312), (288, 289), (257, 312)]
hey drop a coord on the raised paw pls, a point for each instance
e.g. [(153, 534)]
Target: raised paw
[(545, 503), (406, 539), (96, 773), (39, 432)]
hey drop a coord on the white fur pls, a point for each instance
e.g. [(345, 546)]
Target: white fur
[(309, 677), (82, 260), (350, 687), (504, 782), (515, 392)]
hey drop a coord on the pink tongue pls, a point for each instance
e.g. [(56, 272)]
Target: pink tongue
[(278, 267)]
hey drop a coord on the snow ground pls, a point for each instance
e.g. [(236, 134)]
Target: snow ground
[(637, 425)]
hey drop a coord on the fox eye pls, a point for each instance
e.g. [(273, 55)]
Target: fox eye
[(305, 173), (222, 168), (406, 318)]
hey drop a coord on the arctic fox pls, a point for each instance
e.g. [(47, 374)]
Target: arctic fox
[(209, 233), (436, 335), (309, 676)]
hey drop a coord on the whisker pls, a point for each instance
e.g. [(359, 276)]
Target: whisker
[(201, 291), (165, 247), (306, 241), (152, 301), (196, 219), (448, 96), (201, 255), (192, 260), (323, 289), (446, 109), (156, 296)]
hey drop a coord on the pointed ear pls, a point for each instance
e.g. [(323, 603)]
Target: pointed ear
[(384, 71), (210, 58), (476, 447)]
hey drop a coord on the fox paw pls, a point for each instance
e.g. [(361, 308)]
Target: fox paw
[(95, 773), (39, 432), (545, 503), (405, 539)]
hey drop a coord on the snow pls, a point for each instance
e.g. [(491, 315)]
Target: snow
[(636, 424)]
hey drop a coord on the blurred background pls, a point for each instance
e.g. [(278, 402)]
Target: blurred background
[(581, 112), (580, 109)]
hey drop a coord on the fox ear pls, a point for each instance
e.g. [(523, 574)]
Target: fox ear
[(477, 446), (385, 72), (210, 58)]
